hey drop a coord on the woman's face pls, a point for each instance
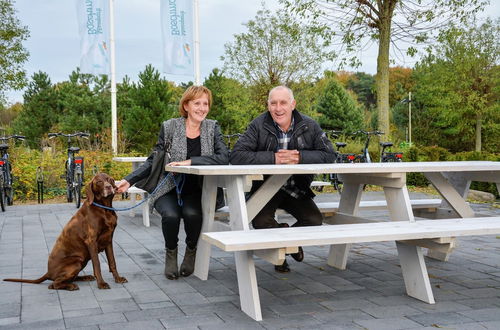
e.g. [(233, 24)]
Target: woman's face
[(197, 109)]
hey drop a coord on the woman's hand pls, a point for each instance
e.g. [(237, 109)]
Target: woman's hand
[(122, 186), (186, 162)]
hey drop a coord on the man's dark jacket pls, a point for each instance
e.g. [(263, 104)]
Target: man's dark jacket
[(260, 142)]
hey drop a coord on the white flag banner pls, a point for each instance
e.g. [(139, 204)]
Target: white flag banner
[(93, 22), (177, 33)]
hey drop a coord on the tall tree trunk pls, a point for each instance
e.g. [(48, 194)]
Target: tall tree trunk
[(478, 132), (382, 78)]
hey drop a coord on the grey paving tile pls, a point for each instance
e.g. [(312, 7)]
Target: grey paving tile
[(482, 315), (191, 321), (98, 319), (156, 313), (82, 312), (390, 312), (42, 325), (10, 310), (118, 305), (387, 324), (346, 304), (150, 296), (151, 324), (440, 319), (9, 320)]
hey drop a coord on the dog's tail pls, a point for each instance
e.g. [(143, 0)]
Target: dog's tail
[(37, 281)]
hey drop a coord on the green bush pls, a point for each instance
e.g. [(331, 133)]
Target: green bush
[(25, 163)]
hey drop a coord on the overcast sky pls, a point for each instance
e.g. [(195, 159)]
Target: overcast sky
[(54, 43)]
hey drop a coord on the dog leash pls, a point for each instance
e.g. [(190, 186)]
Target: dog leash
[(178, 188)]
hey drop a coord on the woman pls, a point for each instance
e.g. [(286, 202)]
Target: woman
[(188, 140)]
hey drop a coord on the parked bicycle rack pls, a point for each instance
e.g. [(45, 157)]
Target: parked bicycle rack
[(39, 181)]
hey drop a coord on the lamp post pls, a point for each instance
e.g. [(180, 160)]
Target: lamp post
[(408, 100), (409, 118)]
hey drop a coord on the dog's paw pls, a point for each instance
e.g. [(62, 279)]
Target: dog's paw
[(103, 285), (120, 279)]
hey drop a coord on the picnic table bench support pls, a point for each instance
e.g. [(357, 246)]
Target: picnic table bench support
[(398, 202)]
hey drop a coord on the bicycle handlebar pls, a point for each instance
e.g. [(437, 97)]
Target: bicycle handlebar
[(18, 137), (368, 133), (80, 134)]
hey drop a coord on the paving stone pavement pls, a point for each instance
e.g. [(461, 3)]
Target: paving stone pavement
[(370, 294)]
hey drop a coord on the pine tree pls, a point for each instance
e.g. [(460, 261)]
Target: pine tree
[(338, 110)]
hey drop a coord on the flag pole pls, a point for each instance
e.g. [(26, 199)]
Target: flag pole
[(114, 139), (197, 79)]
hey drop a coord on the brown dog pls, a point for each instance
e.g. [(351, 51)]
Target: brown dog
[(89, 232)]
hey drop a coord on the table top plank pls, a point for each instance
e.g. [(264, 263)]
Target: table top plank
[(130, 159), (351, 233), (357, 168)]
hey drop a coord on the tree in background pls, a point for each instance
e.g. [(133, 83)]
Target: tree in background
[(12, 53), (363, 84), (338, 110), (276, 49), (354, 24), (39, 113), (457, 89), (8, 115), (232, 106), (150, 101), (84, 104)]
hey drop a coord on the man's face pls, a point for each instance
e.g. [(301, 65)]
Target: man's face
[(281, 106)]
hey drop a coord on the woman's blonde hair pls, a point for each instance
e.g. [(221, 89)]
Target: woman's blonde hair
[(192, 93)]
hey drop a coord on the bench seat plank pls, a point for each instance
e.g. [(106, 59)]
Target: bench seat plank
[(351, 233)]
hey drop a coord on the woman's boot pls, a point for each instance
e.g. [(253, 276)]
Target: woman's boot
[(171, 269), (187, 266)]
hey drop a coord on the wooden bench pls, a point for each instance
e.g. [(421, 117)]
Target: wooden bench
[(133, 191), (273, 244)]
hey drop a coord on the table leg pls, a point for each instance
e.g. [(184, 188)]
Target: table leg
[(454, 188), (349, 204), (415, 273), (399, 204), (247, 284), (238, 214), (203, 252)]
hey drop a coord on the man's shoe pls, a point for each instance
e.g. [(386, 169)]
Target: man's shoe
[(299, 256), (283, 225), (282, 268)]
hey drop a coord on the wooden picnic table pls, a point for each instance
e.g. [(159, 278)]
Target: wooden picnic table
[(451, 179)]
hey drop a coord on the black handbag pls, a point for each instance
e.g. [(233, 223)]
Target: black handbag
[(160, 159)]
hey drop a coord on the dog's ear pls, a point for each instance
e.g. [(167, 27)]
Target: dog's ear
[(89, 192)]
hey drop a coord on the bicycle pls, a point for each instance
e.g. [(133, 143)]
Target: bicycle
[(389, 157), (228, 138), (364, 157), (74, 168), (6, 178), (340, 158)]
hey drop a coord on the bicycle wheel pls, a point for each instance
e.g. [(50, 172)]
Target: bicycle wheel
[(9, 195), (2, 194), (77, 189), (337, 184), (69, 183)]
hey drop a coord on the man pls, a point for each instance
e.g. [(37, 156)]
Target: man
[(283, 135)]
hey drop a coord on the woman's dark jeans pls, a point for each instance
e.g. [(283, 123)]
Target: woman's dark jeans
[(171, 214)]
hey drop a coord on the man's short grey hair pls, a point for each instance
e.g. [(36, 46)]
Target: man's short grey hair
[(278, 88)]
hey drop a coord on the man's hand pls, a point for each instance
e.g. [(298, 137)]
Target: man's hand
[(287, 156), (122, 186)]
